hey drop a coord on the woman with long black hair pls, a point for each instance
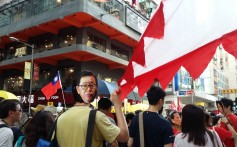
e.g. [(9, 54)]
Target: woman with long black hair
[(194, 130)]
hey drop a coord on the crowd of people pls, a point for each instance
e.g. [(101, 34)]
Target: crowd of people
[(192, 127)]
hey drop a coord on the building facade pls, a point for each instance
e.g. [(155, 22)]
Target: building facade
[(68, 36)]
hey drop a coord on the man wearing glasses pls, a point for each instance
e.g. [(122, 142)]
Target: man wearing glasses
[(72, 124), (10, 113)]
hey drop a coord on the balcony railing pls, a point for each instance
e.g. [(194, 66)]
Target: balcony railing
[(108, 51), (22, 51), (18, 10)]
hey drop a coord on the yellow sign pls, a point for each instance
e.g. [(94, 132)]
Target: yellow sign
[(50, 104), (27, 70), (200, 103), (228, 91)]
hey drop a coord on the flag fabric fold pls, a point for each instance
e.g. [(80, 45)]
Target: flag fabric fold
[(51, 88), (181, 33)]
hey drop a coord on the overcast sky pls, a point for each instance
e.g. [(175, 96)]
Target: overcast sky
[(2, 2)]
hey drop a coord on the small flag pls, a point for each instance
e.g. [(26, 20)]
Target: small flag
[(173, 106), (52, 87), (180, 107)]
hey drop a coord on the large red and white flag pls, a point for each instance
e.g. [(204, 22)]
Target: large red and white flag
[(181, 33)]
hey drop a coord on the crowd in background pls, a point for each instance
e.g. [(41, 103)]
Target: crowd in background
[(191, 127)]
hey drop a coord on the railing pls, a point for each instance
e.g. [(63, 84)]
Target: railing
[(20, 52), (108, 51), (18, 10)]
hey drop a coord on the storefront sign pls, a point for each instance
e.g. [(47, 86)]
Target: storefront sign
[(228, 91), (182, 93), (185, 92), (39, 98), (189, 92), (20, 51), (50, 104)]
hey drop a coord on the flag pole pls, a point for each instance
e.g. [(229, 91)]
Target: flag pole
[(65, 107)]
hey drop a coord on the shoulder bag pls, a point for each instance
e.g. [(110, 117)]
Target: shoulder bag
[(141, 129)]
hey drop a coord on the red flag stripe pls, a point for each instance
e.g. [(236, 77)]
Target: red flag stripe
[(190, 40)]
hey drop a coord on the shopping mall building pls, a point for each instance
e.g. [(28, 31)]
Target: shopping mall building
[(74, 35), (68, 36)]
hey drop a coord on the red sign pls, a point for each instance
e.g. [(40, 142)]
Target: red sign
[(189, 92), (36, 72)]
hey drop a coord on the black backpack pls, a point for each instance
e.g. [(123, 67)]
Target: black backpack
[(3, 125)]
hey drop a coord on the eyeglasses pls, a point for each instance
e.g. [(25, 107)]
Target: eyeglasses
[(20, 110), (85, 86)]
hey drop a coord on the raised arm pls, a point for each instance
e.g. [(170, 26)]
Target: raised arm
[(123, 135), (230, 128)]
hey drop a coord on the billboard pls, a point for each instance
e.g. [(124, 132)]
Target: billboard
[(135, 21)]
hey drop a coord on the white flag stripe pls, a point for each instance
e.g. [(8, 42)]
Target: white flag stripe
[(189, 25)]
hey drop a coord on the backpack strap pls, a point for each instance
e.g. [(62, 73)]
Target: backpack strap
[(20, 141), (52, 131), (141, 129), (90, 128), (3, 125)]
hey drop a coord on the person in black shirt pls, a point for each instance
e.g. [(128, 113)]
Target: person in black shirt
[(157, 130)]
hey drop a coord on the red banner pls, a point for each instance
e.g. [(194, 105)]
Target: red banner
[(36, 72)]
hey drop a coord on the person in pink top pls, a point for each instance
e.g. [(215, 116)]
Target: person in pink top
[(225, 107)]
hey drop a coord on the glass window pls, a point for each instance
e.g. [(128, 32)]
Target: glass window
[(44, 79), (14, 84), (66, 74), (96, 42), (67, 39), (43, 44), (119, 52)]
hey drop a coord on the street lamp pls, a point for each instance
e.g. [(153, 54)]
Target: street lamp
[(31, 68)]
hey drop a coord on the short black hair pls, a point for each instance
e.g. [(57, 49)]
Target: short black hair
[(215, 119), (104, 104), (226, 103), (154, 94), (6, 106), (129, 116), (75, 94), (207, 116)]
